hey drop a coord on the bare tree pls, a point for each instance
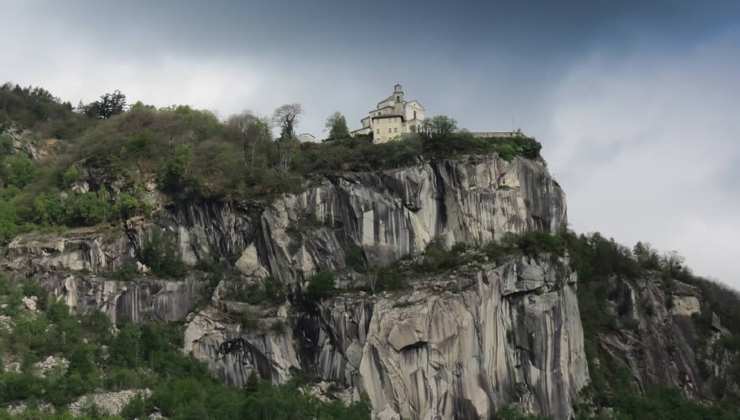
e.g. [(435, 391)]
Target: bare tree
[(254, 130), (286, 117)]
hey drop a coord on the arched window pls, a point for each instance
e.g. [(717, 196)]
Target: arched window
[(414, 114)]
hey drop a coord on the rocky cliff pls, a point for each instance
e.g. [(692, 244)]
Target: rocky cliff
[(456, 345), (459, 345), (665, 333), (388, 215)]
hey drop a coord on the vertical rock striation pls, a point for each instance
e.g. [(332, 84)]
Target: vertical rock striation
[(455, 346), (459, 345)]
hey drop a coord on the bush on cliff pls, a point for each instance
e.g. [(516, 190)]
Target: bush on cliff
[(320, 286), (161, 255)]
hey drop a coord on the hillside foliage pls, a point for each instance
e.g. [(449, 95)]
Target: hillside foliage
[(102, 358)]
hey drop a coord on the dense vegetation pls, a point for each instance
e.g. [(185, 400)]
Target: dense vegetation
[(107, 155), (37, 109), (134, 356)]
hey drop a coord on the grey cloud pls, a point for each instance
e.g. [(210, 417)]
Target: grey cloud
[(670, 127)]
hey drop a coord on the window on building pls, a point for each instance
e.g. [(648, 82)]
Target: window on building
[(398, 99), (395, 130), (414, 114), (390, 130)]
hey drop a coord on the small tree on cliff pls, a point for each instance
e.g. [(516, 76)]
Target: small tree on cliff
[(439, 126), (286, 117), (337, 126), (108, 105), (255, 133)]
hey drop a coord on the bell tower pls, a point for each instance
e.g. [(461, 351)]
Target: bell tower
[(398, 93)]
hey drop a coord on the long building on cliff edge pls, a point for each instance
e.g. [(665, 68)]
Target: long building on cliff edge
[(394, 116)]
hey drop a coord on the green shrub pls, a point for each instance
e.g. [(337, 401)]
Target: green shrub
[(38, 110), (17, 170), (534, 243), (137, 408), (127, 206), (6, 145), (355, 259), (8, 222), (320, 286), (126, 272), (70, 176), (438, 258), (50, 209), (159, 252), (270, 291), (87, 209), (389, 279), (174, 176)]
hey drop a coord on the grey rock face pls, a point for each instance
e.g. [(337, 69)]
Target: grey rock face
[(386, 215), (658, 340), (87, 249), (509, 334), (146, 299)]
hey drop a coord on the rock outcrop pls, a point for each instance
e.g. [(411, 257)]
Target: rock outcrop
[(387, 215), (455, 346), (108, 403), (658, 339)]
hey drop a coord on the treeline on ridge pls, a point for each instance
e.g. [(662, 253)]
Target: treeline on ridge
[(106, 155)]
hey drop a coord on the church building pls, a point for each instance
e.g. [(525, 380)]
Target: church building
[(392, 117)]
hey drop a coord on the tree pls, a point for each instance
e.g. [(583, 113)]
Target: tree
[(6, 145), (17, 170), (174, 174), (439, 126), (646, 256), (337, 126), (255, 132), (286, 117), (108, 105)]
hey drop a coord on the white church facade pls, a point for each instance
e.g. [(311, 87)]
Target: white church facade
[(392, 117)]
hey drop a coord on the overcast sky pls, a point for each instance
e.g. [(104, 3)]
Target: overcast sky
[(635, 103)]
